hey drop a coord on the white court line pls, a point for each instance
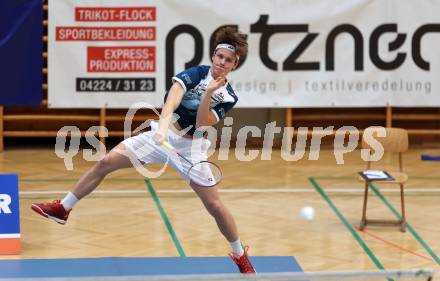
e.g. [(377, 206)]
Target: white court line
[(10, 235), (236, 190)]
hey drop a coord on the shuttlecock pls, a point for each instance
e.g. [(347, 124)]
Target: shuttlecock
[(307, 213)]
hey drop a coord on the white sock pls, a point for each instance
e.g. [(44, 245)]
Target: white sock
[(69, 201), (237, 249)]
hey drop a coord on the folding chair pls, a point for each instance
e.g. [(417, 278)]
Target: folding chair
[(395, 142)]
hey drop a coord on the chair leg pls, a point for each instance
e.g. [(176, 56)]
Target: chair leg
[(403, 219), (364, 208)]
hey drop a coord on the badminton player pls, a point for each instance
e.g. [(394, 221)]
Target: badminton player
[(200, 96)]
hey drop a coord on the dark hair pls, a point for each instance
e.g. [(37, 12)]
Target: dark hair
[(232, 36)]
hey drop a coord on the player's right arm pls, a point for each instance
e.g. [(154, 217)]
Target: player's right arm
[(183, 82), (175, 96)]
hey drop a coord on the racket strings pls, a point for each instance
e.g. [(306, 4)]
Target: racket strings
[(205, 174)]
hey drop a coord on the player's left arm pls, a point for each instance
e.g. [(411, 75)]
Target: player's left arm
[(219, 111), (205, 117)]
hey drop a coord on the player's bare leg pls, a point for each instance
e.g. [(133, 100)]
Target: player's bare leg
[(59, 211), (226, 223)]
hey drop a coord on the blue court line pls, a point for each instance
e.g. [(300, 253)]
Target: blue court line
[(134, 266), (165, 218), (346, 223)]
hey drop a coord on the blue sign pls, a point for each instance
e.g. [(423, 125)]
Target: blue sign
[(9, 205)]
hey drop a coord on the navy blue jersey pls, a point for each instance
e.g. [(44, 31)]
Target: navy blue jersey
[(194, 81)]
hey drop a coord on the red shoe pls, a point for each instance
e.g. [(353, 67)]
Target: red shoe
[(243, 262), (54, 211)]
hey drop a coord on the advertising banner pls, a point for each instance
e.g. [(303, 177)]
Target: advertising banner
[(344, 53), (9, 215)]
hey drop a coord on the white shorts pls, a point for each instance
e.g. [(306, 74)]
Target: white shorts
[(148, 151)]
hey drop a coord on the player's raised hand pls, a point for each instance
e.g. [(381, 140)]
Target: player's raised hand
[(216, 84)]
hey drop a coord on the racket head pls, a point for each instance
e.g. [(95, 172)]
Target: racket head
[(205, 173)]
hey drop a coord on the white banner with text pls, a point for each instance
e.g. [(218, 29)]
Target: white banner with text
[(343, 53)]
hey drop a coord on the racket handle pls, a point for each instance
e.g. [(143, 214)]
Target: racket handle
[(168, 145)]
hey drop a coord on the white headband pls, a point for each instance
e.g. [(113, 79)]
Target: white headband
[(227, 47)]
